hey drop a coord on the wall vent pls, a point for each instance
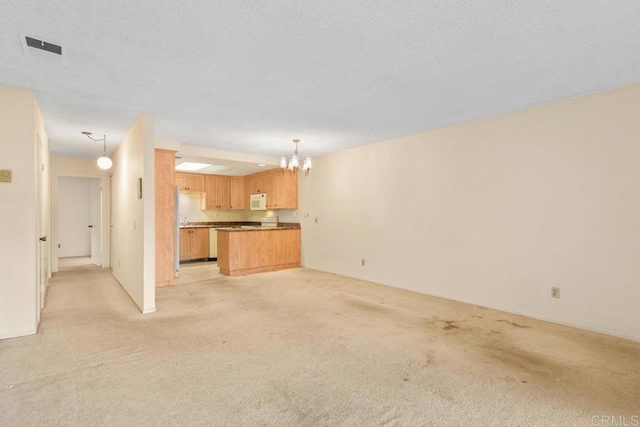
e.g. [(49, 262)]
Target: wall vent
[(35, 46)]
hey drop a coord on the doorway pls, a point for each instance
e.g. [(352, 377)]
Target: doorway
[(79, 223)]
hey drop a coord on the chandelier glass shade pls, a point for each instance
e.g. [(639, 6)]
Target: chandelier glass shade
[(294, 163)]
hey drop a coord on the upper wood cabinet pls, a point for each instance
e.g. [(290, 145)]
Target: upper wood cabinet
[(256, 184), (190, 182), (236, 199), (232, 192), (216, 192), (281, 188), (284, 193)]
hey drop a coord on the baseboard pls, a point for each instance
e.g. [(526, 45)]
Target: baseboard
[(127, 293), (18, 334), (530, 316), (570, 325)]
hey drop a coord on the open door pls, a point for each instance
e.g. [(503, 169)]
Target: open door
[(43, 225), (96, 222)]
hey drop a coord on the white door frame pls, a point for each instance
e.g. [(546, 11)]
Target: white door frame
[(104, 218), (43, 225)]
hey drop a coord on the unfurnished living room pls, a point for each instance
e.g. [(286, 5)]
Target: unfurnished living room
[(320, 213)]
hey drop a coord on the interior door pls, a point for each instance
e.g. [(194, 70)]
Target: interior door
[(96, 223)]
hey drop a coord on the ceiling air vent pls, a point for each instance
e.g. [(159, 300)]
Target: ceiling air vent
[(35, 47)]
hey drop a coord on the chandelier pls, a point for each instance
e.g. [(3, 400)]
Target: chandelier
[(293, 163), (103, 162)]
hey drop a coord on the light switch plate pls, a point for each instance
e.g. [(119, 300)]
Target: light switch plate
[(5, 176)]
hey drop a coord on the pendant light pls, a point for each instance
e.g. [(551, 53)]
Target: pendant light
[(104, 162)]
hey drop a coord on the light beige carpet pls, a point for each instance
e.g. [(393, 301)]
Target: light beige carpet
[(75, 263), (300, 347)]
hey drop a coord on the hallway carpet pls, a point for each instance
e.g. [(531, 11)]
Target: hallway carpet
[(301, 347)]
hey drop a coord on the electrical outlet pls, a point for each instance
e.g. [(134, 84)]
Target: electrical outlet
[(555, 292), (363, 262)]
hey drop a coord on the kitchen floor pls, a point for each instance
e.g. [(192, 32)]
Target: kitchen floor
[(191, 272)]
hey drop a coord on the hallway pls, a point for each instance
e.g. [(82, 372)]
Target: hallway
[(301, 347), (75, 263)]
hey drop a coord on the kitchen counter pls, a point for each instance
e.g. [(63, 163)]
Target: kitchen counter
[(255, 228), (237, 226)]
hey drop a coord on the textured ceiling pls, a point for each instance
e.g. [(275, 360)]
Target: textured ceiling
[(249, 76)]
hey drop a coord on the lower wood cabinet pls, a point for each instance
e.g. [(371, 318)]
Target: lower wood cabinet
[(194, 243), (257, 251)]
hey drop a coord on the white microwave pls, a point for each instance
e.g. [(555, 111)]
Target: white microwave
[(258, 202)]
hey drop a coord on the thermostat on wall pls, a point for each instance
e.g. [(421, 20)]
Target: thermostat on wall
[(5, 176)]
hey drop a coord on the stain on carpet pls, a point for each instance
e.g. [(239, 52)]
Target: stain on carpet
[(367, 306), (450, 324), (512, 323)]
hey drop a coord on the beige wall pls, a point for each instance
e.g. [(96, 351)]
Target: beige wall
[(20, 224), (78, 167), (133, 231), (494, 212)]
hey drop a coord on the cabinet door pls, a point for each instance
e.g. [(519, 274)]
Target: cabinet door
[(190, 182), (236, 190), (181, 181), (258, 184), (285, 190), (222, 192), (185, 244), (271, 185), (289, 190), (199, 243), (195, 183), (210, 188)]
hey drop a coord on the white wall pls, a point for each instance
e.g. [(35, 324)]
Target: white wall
[(78, 167), (494, 212), (133, 231), (74, 216), (20, 127)]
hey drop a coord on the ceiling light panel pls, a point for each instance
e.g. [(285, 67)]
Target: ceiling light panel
[(191, 167)]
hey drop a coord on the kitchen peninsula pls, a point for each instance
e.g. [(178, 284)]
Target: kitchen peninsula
[(250, 250)]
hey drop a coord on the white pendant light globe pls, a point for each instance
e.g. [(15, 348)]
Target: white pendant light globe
[(104, 163)]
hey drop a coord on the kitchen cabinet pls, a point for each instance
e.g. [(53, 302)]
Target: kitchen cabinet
[(237, 253), (190, 182), (236, 198), (284, 190), (280, 186), (256, 184), (194, 243), (217, 190)]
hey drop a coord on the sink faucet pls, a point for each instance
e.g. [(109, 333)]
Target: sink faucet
[(185, 222)]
